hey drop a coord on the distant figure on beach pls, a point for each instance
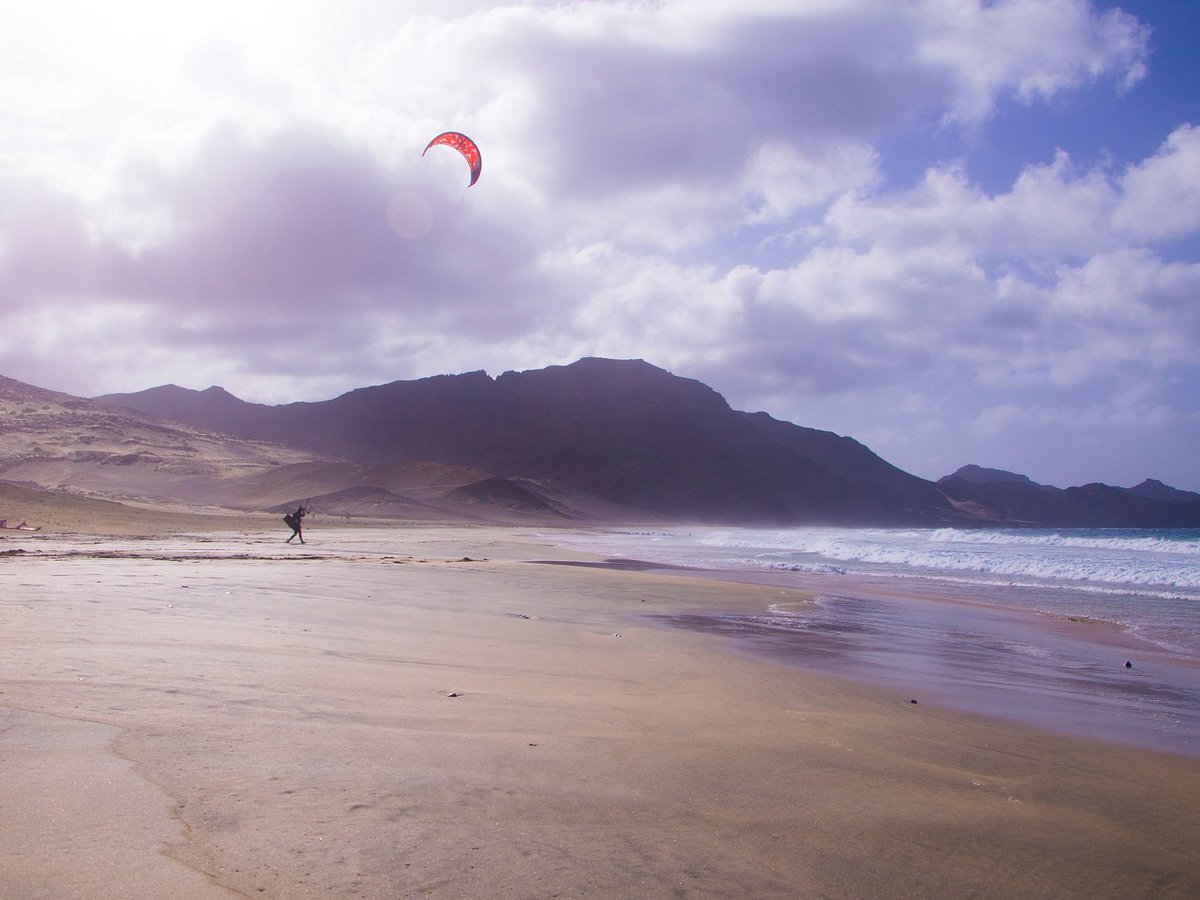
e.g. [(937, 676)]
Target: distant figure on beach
[(294, 522)]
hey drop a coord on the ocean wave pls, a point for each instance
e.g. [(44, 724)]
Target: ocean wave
[(812, 568), (1158, 541), (1071, 569), (1118, 559)]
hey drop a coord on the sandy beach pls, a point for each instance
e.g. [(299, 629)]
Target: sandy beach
[(427, 711)]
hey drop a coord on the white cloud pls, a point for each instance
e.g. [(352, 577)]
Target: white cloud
[(1130, 411), (239, 188), (1161, 195), (1033, 49)]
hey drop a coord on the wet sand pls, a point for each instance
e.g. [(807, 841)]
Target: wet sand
[(1068, 675), (425, 711)]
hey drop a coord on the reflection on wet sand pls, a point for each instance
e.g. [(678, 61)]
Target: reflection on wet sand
[(991, 661)]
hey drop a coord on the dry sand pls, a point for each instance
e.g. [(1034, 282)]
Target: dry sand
[(372, 715)]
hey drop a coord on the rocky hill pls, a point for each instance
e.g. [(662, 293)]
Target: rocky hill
[(1005, 498), (55, 440), (622, 432), (605, 438)]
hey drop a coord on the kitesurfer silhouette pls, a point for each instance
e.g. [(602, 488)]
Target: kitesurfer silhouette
[(294, 522)]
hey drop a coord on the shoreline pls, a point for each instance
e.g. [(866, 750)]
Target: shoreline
[(1154, 705), (921, 589), (424, 710)]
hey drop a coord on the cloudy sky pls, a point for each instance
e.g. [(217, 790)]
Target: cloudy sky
[(960, 231)]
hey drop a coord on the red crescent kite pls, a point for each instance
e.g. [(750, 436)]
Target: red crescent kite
[(463, 145)]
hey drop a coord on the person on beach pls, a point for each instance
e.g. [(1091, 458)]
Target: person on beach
[(294, 521)]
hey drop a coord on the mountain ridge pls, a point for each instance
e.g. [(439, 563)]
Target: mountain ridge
[(623, 431), (637, 437), (1010, 499), (597, 440)]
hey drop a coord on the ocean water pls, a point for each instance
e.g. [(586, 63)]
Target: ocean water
[(1028, 624), (1145, 581)]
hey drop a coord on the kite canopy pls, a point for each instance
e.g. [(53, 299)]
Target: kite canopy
[(463, 145)]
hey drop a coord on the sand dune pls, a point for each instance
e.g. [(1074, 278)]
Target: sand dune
[(97, 451)]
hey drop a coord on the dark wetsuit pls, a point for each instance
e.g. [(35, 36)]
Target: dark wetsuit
[(294, 521)]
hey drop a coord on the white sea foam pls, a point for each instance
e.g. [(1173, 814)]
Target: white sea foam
[(1119, 540), (1148, 559)]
